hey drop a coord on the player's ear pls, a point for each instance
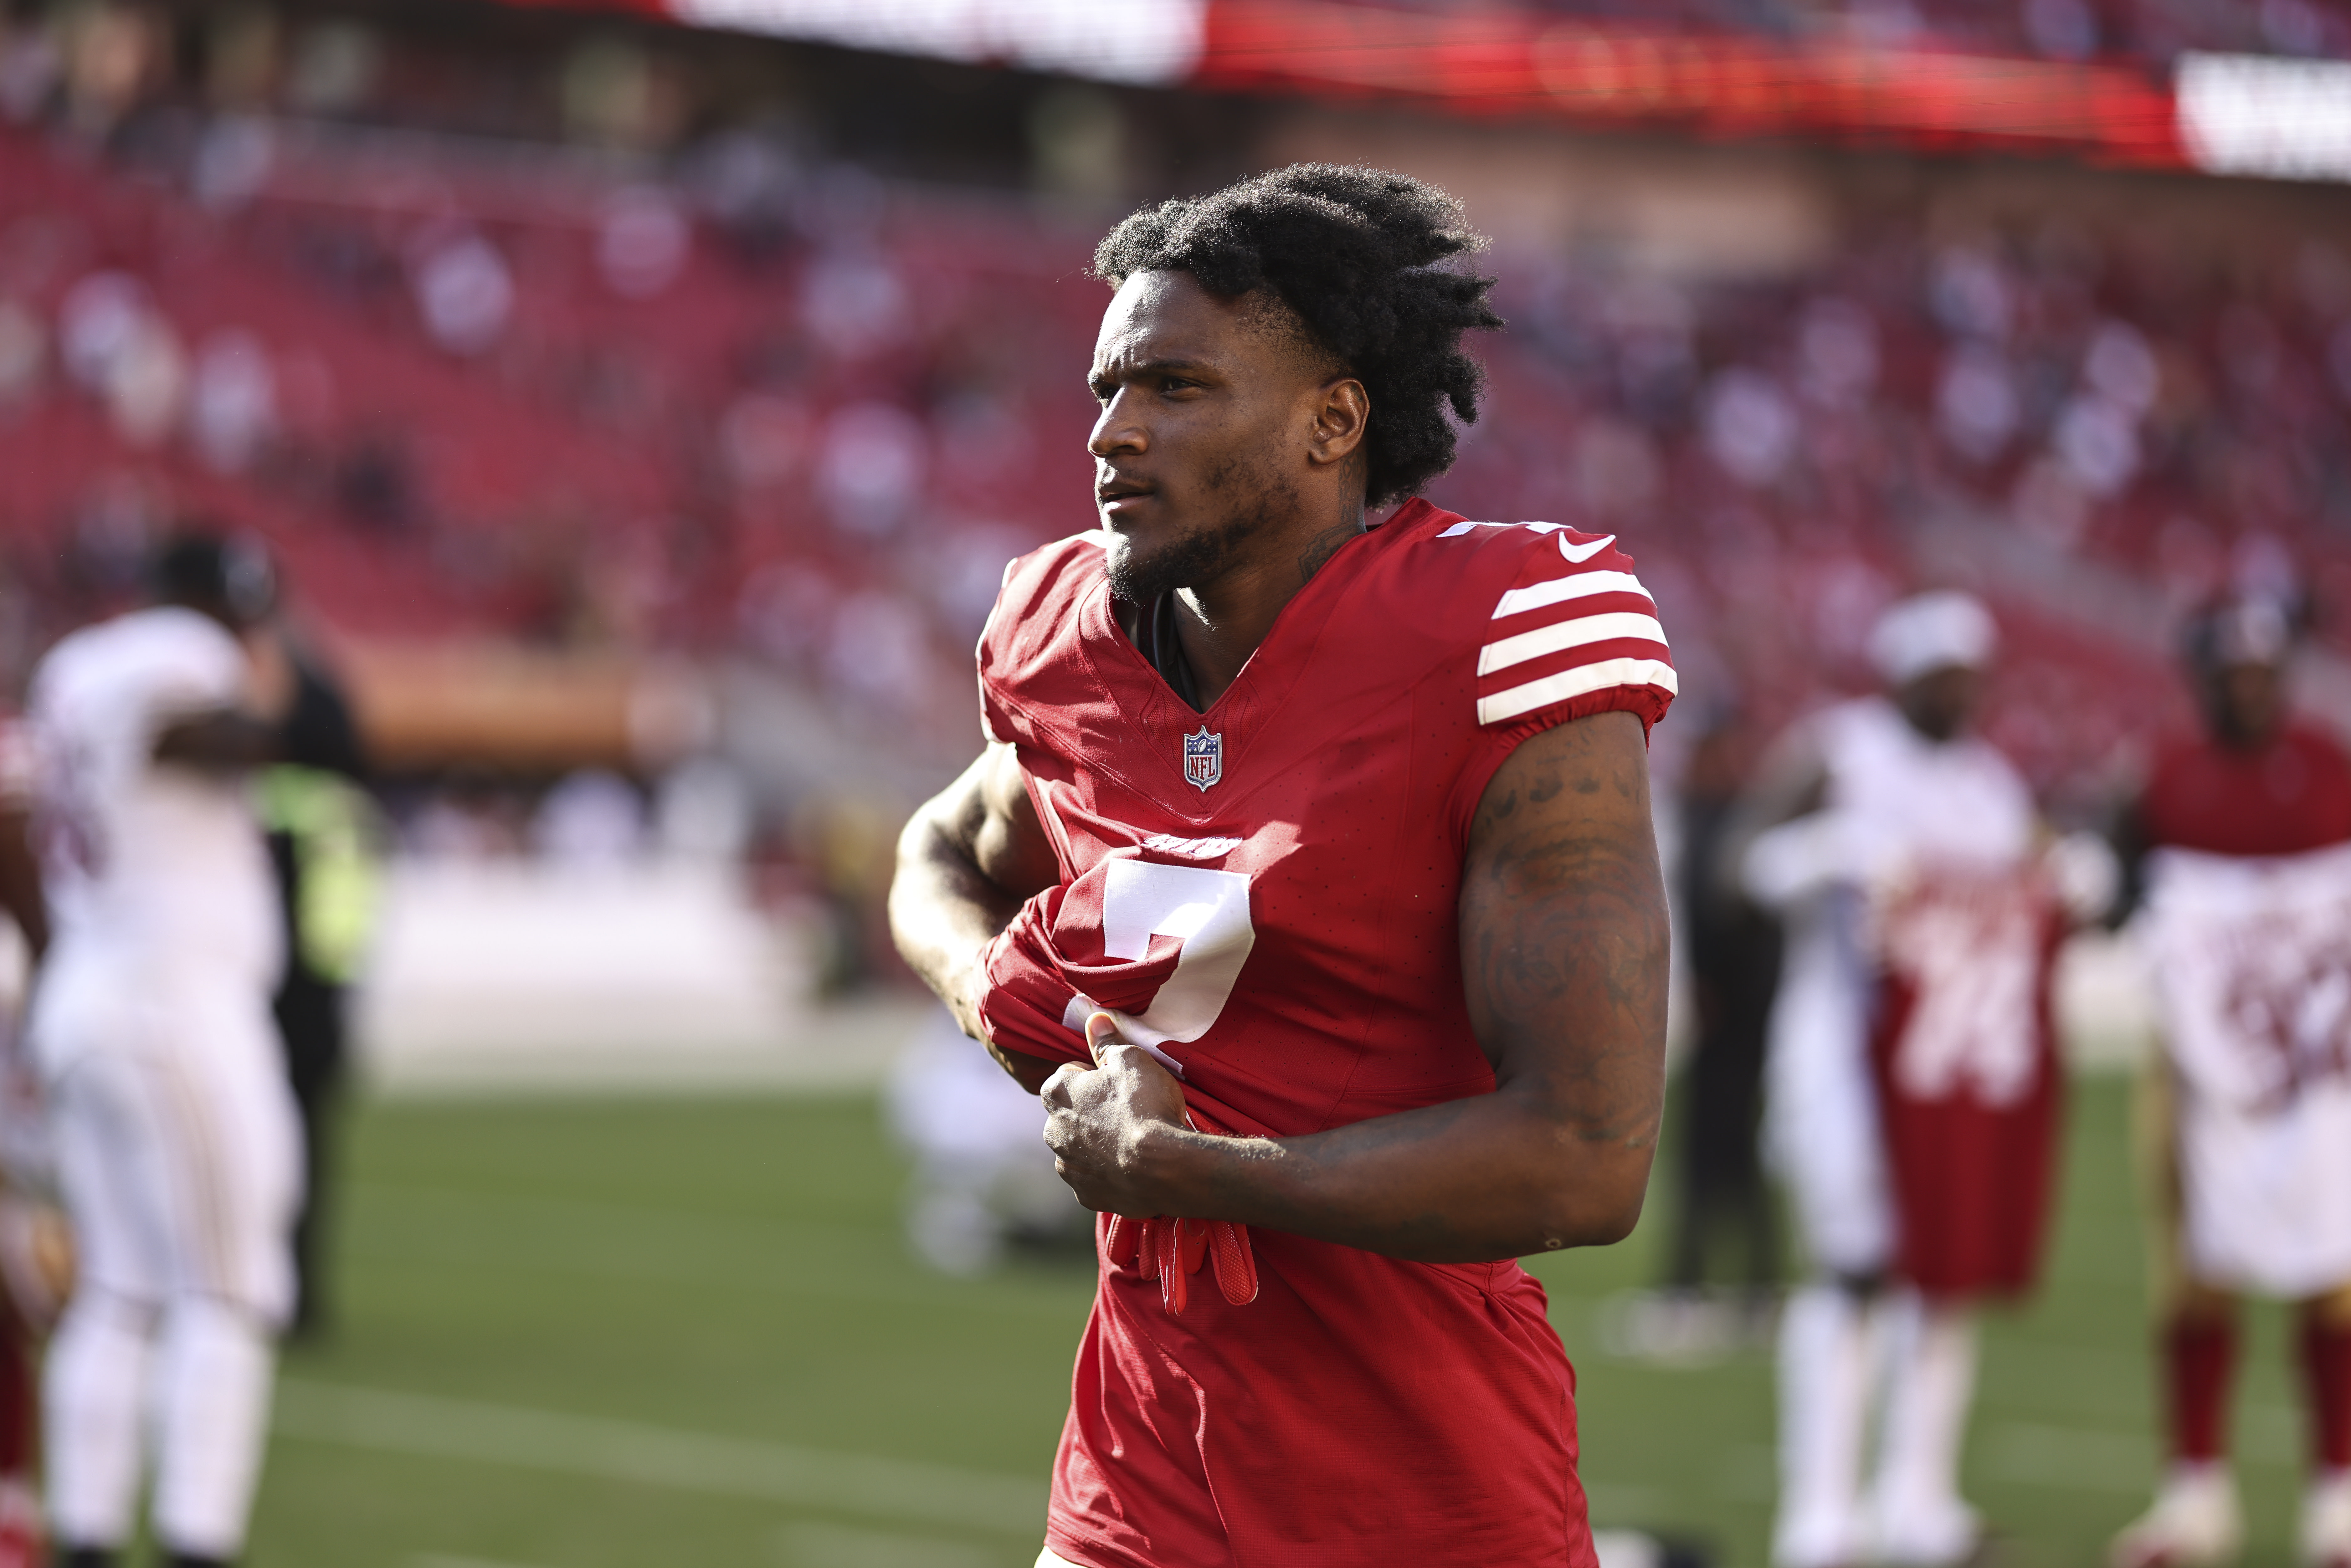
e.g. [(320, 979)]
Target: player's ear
[(1340, 418)]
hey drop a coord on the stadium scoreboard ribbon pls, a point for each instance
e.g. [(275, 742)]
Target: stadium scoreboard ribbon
[(2222, 114)]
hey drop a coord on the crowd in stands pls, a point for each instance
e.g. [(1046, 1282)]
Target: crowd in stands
[(462, 400), (2171, 428), (756, 406)]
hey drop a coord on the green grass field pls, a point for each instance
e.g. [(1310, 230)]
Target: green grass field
[(675, 1333)]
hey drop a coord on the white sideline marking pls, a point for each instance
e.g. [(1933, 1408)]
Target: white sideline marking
[(441, 1428)]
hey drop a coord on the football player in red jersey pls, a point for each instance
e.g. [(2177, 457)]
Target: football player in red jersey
[(2245, 832), (1308, 872)]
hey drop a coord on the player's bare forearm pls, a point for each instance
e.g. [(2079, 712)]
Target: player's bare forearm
[(223, 740), (943, 911), (966, 860), (1468, 1181), (1565, 949)]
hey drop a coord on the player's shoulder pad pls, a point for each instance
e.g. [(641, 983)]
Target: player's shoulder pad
[(85, 658), (1039, 591), (1023, 654), (1561, 623)]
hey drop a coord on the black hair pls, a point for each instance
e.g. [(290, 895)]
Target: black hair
[(200, 566), (1353, 254), (2240, 628)]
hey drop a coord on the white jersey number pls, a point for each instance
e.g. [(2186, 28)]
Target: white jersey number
[(1208, 912), (1970, 947)]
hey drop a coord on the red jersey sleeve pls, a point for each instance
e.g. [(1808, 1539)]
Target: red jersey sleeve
[(1039, 590), (1574, 634)]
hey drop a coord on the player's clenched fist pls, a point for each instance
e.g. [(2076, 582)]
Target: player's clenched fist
[(1106, 1122)]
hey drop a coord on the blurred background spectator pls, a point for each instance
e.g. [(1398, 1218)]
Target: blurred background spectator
[(324, 846), (1721, 1289)]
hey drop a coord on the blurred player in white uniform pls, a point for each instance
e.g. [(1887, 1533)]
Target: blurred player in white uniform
[(177, 1149), (983, 1177), (1904, 855)]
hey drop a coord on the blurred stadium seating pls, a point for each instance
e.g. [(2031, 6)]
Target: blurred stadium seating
[(416, 378), (626, 379)]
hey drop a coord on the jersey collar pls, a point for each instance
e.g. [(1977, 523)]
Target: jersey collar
[(1160, 718)]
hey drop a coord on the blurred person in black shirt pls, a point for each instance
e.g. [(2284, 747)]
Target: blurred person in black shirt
[(1734, 968), (321, 827), (1723, 1212)]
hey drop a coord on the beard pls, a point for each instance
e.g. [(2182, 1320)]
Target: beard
[(1251, 496), (1142, 578)]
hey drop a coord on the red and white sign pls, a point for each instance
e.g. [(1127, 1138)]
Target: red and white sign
[(2229, 114)]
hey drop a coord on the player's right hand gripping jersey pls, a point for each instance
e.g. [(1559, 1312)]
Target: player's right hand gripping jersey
[(157, 875), (1265, 895)]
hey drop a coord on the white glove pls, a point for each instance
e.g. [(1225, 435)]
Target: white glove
[(2087, 876)]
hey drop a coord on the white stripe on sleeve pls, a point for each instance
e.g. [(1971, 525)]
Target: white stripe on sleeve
[(1559, 590), (1561, 634), (1575, 682)]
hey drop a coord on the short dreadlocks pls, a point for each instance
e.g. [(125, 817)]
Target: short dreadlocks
[(1352, 253)]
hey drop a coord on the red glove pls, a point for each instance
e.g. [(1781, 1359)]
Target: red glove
[(1171, 1251)]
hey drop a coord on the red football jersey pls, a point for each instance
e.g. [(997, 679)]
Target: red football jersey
[(1264, 894), (1964, 1054), (2292, 795)]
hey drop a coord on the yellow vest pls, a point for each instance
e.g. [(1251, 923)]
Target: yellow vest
[(337, 833)]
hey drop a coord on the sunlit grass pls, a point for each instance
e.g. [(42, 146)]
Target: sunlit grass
[(684, 1334)]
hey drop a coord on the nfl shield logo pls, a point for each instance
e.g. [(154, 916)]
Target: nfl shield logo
[(1204, 758)]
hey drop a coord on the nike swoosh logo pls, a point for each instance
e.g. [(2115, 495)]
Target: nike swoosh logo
[(1586, 550)]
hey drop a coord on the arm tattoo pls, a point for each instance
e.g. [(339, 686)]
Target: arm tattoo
[(1564, 934)]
